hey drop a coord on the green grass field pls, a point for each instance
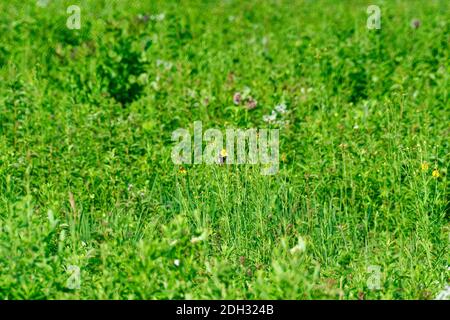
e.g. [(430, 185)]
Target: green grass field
[(92, 206)]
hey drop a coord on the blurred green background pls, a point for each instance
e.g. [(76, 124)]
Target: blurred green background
[(86, 178)]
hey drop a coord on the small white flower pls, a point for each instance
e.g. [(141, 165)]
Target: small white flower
[(176, 262)]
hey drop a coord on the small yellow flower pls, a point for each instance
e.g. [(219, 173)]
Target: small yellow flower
[(223, 153), (283, 157), (183, 170), (425, 166), (436, 173)]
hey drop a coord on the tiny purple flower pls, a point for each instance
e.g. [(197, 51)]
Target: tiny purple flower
[(237, 98), (415, 23), (251, 103), (144, 18)]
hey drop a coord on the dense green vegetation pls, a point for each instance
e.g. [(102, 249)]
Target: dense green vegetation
[(87, 181)]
